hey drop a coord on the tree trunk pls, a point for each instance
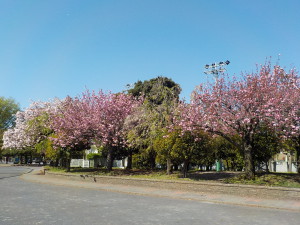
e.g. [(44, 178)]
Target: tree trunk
[(248, 160), (109, 159), (129, 161), (175, 167), (227, 164), (207, 168), (298, 157), (152, 159), (68, 161), (200, 167), (185, 169), (62, 159), (233, 165), (267, 167), (169, 166), (62, 162), (68, 164), (56, 162)]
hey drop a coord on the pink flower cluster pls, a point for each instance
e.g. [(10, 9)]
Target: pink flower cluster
[(92, 116), (271, 96)]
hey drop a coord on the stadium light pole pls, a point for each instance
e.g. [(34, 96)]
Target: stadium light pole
[(216, 68)]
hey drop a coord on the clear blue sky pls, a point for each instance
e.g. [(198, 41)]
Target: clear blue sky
[(55, 48)]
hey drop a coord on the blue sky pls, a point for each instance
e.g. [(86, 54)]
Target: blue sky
[(55, 48)]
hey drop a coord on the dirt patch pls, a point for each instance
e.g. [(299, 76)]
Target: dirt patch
[(213, 176)]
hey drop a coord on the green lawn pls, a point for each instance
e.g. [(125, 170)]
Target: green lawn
[(271, 179), (135, 173)]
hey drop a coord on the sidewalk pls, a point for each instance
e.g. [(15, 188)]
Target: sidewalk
[(203, 196)]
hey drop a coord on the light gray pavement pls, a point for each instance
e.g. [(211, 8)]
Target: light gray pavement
[(205, 196), (37, 199)]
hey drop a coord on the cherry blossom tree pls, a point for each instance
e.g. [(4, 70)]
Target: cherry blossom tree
[(31, 130), (112, 110), (92, 117), (229, 107), (31, 126), (16, 138)]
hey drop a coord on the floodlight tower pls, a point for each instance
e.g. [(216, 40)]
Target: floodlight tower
[(216, 68)]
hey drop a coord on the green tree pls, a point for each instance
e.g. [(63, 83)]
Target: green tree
[(8, 108), (140, 131), (181, 148), (163, 145), (292, 145), (266, 145), (160, 96), (227, 152), (156, 91), (188, 146)]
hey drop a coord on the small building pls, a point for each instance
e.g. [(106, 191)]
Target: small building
[(283, 162)]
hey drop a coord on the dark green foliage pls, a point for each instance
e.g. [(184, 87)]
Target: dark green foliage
[(93, 156), (221, 149), (266, 145), (160, 96), (182, 149), (8, 107), (145, 159), (189, 148), (157, 90), (119, 152)]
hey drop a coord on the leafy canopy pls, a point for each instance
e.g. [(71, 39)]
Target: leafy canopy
[(8, 107)]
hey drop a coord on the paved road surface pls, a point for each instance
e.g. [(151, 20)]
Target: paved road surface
[(23, 202)]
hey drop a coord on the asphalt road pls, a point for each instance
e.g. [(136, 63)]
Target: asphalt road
[(29, 203), (8, 172)]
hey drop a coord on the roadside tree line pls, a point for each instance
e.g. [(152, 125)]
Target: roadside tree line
[(243, 121)]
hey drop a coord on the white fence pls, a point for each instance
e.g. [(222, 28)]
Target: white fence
[(79, 163), (94, 163), (283, 167)]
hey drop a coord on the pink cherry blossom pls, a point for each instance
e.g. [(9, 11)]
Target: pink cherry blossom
[(269, 96), (92, 116)]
